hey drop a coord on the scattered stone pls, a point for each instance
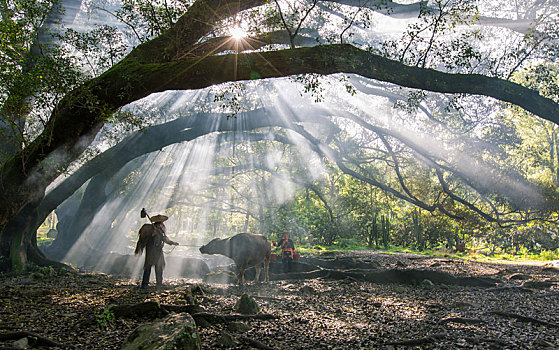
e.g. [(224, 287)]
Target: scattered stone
[(176, 331), (246, 305), (427, 284), (23, 343), (239, 327), (227, 340)]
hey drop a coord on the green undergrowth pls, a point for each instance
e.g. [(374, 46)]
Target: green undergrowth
[(522, 255), (42, 238)]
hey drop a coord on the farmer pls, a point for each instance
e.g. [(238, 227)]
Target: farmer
[(152, 237), (287, 250)]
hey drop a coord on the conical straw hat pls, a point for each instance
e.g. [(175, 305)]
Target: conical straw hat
[(158, 218)]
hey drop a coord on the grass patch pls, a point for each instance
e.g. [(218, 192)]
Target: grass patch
[(472, 254)]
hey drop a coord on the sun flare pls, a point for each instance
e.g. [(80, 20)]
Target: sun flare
[(237, 33)]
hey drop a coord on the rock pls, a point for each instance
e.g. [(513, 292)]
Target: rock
[(176, 331), (23, 343), (519, 276), (227, 340), (187, 267), (435, 264), (401, 264), (427, 284), (238, 327), (221, 277), (246, 305), (538, 284)]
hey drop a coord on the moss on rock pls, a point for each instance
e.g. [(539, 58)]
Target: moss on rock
[(176, 331)]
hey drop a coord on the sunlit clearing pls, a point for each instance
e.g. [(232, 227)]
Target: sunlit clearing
[(237, 33)]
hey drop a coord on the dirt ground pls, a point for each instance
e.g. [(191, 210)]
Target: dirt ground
[(521, 312)]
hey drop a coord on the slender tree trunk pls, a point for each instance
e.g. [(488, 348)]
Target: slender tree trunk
[(555, 161)]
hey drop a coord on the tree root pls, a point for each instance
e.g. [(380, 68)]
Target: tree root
[(191, 309), (255, 343), (524, 318), (477, 340), (148, 308), (402, 276), (215, 318), (34, 339)]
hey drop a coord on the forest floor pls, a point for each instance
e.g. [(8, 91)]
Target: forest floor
[(522, 312)]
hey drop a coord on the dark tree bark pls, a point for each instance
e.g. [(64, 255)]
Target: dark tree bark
[(158, 65)]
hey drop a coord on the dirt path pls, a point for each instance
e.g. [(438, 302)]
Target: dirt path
[(313, 314)]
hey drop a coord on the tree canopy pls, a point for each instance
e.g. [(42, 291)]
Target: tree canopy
[(60, 87)]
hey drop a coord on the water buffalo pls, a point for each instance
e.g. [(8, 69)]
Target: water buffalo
[(245, 249)]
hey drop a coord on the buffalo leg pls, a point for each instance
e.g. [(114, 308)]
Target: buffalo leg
[(266, 270), (241, 275), (258, 271)]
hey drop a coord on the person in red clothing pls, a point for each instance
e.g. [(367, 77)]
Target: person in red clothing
[(287, 251)]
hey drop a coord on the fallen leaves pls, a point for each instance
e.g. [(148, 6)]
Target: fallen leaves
[(305, 314)]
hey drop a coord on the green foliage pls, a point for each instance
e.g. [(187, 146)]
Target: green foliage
[(39, 272), (105, 318), (146, 19)]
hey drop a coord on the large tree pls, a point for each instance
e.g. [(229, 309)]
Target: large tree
[(188, 55)]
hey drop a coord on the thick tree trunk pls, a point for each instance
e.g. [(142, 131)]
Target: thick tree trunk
[(19, 243)]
